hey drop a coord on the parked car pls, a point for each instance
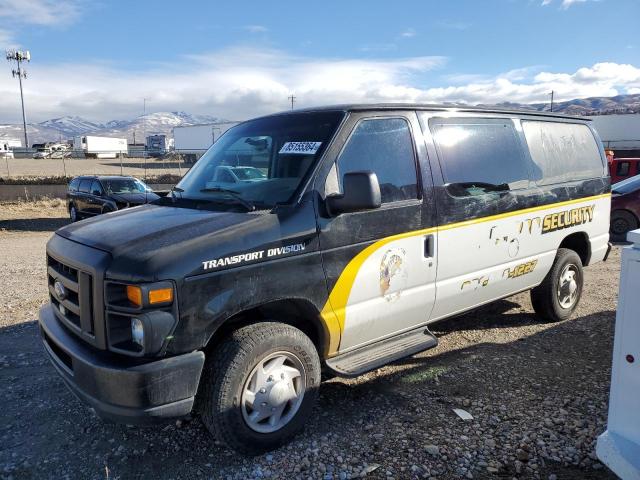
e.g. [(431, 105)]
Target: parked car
[(88, 196), (625, 207), (623, 168), (227, 302)]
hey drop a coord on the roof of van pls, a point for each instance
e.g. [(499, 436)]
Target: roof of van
[(353, 107)]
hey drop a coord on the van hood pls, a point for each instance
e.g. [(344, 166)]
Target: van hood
[(170, 242)]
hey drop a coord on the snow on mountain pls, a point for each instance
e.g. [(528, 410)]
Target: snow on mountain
[(71, 126), (65, 128)]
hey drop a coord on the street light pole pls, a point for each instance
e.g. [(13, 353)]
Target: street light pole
[(19, 57)]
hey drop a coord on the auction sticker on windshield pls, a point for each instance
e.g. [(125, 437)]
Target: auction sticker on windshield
[(300, 148)]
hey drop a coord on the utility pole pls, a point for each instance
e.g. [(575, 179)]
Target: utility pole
[(552, 100), (19, 57), (293, 100)]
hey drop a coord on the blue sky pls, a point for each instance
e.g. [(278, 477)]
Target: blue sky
[(237, 59)]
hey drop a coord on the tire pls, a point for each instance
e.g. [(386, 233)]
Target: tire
[(622, 221), (552, 302), (232, 369), (74, 216)]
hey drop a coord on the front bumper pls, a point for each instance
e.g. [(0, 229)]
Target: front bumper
[(121, 389)]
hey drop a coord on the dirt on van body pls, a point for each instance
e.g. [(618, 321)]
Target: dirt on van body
[(537, 392)]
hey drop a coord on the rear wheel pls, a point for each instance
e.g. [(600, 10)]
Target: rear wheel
[(558, 295), (260, 386), (622, 222)]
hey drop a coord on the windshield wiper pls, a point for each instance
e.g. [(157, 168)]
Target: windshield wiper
[(234, 194)]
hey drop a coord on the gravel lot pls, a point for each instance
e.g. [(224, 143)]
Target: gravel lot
[(51, 167), (538, 394)]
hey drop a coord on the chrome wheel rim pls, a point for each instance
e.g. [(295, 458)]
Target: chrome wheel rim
[(273, 392), (568, 286)]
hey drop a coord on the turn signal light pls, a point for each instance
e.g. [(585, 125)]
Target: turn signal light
[(161, 295), (134, 294)]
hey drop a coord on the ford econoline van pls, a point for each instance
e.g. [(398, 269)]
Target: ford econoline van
[(345, 233)]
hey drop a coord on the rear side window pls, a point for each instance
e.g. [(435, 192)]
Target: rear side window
[(383, 146), (623, 169), (479, 156), (73, 186), (562, 152), (85, 186)]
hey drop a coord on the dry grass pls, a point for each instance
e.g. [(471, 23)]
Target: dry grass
[(44, 207)]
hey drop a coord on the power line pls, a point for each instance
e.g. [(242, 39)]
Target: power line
[(19, 57)]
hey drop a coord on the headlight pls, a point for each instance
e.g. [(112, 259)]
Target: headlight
[(137, 331)]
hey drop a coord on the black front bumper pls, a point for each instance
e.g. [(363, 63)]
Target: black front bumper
[(122, 389)]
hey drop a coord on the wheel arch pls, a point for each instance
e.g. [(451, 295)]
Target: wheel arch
[(579, 243), (297, 312)]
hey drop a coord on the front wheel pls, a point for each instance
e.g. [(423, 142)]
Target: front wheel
[(73, 214), (622, 222), (260, 386), (558, 295)]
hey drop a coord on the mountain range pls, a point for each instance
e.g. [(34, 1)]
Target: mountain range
[(64, 128)]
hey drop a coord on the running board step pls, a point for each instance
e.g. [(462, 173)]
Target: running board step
[(370, 357)]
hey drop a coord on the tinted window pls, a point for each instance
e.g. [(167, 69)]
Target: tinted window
[(96, 188), (563, 152), (383, 146), (622, 169), (73, 186), (85, 185), (479, 156)]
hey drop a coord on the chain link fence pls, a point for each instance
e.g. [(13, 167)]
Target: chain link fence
[(32, 165)]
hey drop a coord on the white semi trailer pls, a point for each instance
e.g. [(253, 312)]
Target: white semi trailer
[(100, 147), (618, 132), (192, 141)]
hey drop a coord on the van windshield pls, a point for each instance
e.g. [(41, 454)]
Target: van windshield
[(261, 162)]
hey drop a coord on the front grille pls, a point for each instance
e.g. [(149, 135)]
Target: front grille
[(75, 306)]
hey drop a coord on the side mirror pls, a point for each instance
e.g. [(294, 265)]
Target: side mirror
[(361, 192)]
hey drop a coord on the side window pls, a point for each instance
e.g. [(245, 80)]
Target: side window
[(96, 188), (73, 186), (383, 146), (622, 169), (479, 156), (563, 152), (225, 177), (85, 185)]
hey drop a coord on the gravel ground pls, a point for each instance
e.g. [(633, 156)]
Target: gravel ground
[(47, 167), (537, 392)]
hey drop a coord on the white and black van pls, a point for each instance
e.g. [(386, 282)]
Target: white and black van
[(328, 238)]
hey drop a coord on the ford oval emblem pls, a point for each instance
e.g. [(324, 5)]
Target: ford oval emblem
[(61, 292)]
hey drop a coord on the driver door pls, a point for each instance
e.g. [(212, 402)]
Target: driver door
[(380, 264)]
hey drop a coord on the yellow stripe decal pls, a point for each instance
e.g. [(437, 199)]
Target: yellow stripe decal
[(334, 311)]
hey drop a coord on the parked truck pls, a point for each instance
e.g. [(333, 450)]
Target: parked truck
[(156, 145), (100, 147), (192, 141)]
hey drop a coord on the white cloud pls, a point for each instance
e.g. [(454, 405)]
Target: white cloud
[(256, 28), (565, 3), (408, 33), (40, 12), (242, 82)]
